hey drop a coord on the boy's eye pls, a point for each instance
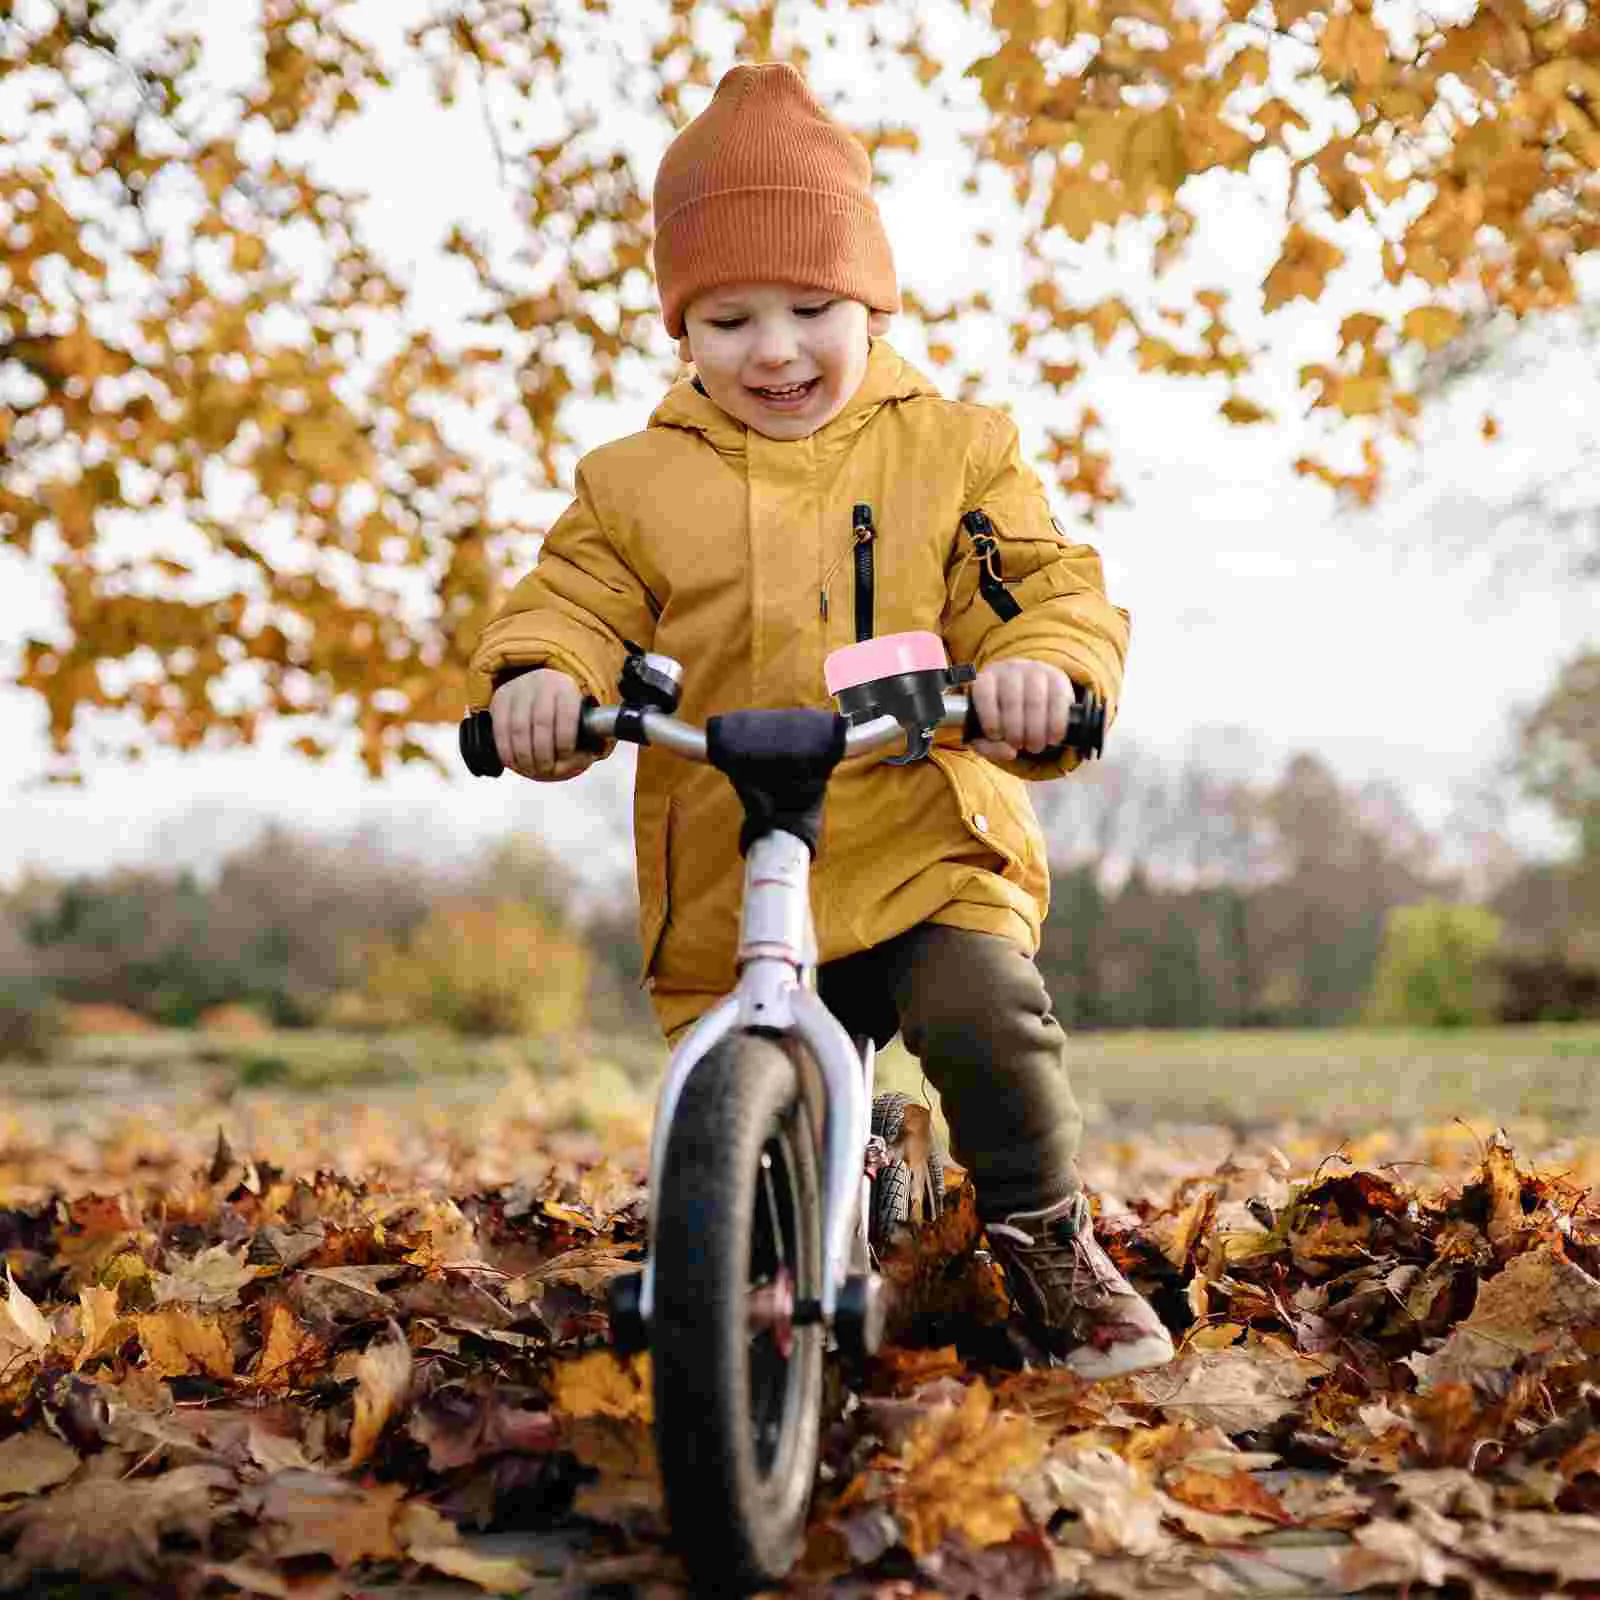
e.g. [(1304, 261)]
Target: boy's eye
[(725, 323), (814, 311)]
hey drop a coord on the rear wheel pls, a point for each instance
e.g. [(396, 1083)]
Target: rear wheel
[(902, 1191), (738, 1383)]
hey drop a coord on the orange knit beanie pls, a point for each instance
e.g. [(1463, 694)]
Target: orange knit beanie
[(765, 187)]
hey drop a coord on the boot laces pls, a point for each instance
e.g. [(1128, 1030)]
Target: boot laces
[(1064, 1254)]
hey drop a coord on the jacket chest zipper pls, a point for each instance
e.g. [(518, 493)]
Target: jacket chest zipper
[(864, 535)]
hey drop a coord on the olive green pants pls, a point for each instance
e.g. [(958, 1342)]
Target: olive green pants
[(974, 1011)]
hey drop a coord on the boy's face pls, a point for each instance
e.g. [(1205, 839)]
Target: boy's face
[(782, 359)]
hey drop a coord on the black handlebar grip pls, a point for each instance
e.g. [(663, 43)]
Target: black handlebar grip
[(588, 742), (1086, 730), (478, 753), (482, 759)]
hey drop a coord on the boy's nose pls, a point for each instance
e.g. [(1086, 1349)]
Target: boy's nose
[(775, 343)]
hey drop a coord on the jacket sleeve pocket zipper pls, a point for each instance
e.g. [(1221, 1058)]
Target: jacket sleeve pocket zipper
[(991, 575)]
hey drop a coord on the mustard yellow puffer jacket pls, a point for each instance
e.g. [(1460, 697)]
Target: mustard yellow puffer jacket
[(713, 544)]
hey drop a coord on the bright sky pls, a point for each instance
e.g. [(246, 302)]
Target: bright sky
[(1382, 640)]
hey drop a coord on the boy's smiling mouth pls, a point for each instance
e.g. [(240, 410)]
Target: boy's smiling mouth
[(785, 396)]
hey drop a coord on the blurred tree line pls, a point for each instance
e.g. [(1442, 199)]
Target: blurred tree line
[(313, 932), (1184, 897), (1187, 898)]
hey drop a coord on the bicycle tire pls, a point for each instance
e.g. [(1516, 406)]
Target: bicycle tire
[(737, 1420), (895, 1183)]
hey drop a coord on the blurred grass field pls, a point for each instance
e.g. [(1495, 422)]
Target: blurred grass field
[(432, 1107), (1342, 1078)]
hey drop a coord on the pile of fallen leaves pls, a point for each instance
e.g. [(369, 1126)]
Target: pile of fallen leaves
[(248, 1379)]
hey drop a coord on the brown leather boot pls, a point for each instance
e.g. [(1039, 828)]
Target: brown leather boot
[(1082, 1309)]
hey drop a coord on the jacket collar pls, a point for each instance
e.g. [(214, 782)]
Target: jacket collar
[(889, 378)]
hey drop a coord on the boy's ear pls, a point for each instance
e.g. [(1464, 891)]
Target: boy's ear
[(685, 354), (877, 324)]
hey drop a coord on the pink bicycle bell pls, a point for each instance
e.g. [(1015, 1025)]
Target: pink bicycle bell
[(901, 675)]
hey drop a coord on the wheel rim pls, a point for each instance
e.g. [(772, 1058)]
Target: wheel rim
[(775, 1280)]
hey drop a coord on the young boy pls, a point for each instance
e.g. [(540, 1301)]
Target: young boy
[(805, 490)]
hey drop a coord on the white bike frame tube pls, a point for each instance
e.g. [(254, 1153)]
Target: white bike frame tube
[(777, 957), (846, 1126)]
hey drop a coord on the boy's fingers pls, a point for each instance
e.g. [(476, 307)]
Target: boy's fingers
[(983, 700), (519, 735), (570, 766), (1012, 725), (544, 736), (569, 706), (1061, 698), (993, 750), (1035, 710), (500, 721)]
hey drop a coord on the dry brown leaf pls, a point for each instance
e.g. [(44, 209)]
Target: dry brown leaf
[(1387, 1552), (1240, 1389), (383, 1376), (178, 1343), (1119, 1511), (588, 1270), (1177, 1233), (286, 1345), (105, 1528), (1533, 1307), (209, 1281), (622, 1454), (311, 1513), (24, 1333), (1231, 1492), (1566, 1546), (33, 1461), (99, 1322), (494, 1574), (250, 1578)]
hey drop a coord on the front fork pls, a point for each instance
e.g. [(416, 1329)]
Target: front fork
[(776, 994)]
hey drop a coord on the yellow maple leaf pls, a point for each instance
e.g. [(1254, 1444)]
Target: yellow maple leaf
[(1353, 46), (178, 1343), (601, 1384), (1302, 268), (285, 1342), (1431, 326), (959, 1468), (383, 1375), (98, 1319), (1360, 397), (1243, 412)]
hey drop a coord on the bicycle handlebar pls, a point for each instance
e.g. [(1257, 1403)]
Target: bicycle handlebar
[(598, 724)]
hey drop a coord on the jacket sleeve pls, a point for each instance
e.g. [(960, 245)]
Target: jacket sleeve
[(1065, 619), (572, 612)]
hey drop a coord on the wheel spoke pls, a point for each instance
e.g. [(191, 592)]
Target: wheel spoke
[(773, 1216)]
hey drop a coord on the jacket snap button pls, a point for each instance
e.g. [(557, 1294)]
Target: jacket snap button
[(980, 822)]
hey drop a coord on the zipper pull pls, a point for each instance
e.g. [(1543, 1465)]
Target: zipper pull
[(861, 524)]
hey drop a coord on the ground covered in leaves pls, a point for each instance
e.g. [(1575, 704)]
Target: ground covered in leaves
[(327, 1347)]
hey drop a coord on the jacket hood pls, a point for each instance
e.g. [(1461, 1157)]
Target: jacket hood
[(889, 377)]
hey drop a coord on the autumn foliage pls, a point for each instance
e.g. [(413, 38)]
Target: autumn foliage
[(229, 1374), (243, 457)]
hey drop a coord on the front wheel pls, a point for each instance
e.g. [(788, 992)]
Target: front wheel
[(738, 1382)]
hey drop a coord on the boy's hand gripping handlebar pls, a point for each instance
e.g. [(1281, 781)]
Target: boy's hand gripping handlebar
[(880, 712), (598, 725)]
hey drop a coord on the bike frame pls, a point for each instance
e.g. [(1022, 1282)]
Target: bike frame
[(776, 995)]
